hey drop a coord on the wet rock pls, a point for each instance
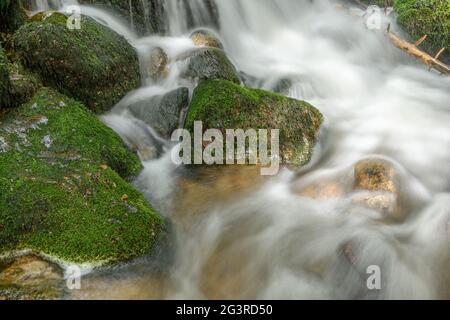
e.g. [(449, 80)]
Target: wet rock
[(376, 175), (223, 104), (94, 64), (211, 64), (205, 38), (282, 86), (322, 190), (383, 202), (163, 112), (158, 64), (377, 187), (30, 277)]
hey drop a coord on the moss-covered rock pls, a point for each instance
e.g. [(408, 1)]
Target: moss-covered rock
[(210, 64), (146, 16), (419, 18), (12, 16), (62, 185), (93, 64), (430, 17), (24, 84), (4, 80), (226, 105)]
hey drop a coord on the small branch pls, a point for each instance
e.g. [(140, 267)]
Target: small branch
[(431, 62), (439, 53), (421, 40)]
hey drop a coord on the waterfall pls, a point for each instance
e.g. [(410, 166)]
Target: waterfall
[(185, 15), (44, 5)]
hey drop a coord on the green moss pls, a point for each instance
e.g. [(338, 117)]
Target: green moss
[(93, 64), (222, 104), (430, 17), (59, 198)]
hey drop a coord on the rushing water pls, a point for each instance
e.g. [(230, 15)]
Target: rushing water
[(237, 235)]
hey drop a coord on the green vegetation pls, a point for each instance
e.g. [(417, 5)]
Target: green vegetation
[(430, 17), (224, 105), (62, 187), (94, 64), (423, 17), (4, 80)]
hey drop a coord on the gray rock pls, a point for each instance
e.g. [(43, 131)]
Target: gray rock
[(162, 112), (211, 64)]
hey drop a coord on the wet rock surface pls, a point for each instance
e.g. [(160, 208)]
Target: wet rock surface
[(163, 112), (211, 64), (205, 38), (29, 278)]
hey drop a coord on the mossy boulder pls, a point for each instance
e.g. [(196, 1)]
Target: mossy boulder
[(210, 64), (146, 16), (63, 185), (24, 84), (4, 80), (93, 64), (225, 105), (430, 18)]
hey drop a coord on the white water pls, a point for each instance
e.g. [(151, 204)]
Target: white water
[(273, 242)]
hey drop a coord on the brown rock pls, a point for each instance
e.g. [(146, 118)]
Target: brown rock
[(30, 277), (375, 175), (158, 64), (204, 38)]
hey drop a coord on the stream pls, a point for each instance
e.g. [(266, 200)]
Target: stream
[(237, 235)]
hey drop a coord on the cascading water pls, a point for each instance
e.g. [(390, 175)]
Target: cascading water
[(240, 237)]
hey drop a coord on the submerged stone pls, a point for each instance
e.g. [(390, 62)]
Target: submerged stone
[(30, 277), (211, 64)]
